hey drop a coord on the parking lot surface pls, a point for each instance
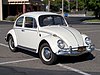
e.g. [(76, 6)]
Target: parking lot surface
[(28, 63)]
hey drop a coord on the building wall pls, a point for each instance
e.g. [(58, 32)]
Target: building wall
[(16, 0), (15, 7), (1, 13)]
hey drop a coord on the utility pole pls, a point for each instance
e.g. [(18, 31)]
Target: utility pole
[(48, 5), (76, 5), (62, 7)]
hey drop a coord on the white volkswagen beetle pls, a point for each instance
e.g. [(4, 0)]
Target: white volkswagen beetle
[(49, 35)]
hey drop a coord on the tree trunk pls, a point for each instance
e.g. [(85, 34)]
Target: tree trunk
[(96, 14), (99, 14)]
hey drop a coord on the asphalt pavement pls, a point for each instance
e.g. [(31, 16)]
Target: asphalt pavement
[(28, 63), (79, 21)]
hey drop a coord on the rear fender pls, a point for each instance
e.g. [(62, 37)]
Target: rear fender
[(12, 33)]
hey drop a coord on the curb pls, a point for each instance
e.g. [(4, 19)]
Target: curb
[(92, 22), (7, 21)]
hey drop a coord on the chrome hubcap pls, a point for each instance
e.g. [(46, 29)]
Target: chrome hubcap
[(11, 43), (46, 54)]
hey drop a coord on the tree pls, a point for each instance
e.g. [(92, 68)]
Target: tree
[(93, 5), (55, 5), (97, 9), (80, 3)]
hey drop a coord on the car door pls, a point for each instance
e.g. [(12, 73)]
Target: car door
[(18, 28), (29, 33)]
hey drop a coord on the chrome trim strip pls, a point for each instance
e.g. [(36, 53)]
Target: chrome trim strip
[(28, 49)]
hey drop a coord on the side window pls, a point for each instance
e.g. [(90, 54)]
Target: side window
[(34, 23), (19, 22), (30, 22)]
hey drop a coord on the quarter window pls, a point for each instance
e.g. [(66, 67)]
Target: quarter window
[(19, 22)]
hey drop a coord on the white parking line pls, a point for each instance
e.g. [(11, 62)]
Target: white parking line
[(73, 69), (17, 61), (61, 65), (97, 49), (4, 45), (26, 60)]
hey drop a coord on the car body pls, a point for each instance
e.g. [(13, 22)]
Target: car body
[(49, 35)]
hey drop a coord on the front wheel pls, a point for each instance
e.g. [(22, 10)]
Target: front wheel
[(46, 54), (11, 44)]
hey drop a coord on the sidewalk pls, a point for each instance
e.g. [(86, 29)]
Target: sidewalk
[(76, 15), (91, 22)]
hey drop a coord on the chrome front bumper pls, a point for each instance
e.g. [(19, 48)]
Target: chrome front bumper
[(76, 51)]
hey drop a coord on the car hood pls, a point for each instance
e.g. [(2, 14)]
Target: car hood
[(69, 35)]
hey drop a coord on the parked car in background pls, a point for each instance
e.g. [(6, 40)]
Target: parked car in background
[(49, 35)]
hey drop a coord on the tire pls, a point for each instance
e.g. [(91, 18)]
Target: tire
[(11, 44), (46, 54)]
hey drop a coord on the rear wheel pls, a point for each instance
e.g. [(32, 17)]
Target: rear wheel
[(46, 54), (11, 44)]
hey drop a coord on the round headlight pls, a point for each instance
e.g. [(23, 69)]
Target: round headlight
[(88, 41), (61, 44)]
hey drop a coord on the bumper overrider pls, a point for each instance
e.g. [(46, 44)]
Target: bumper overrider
[(76, 51)]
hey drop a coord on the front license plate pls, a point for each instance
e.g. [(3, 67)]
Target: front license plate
[(81, 49)]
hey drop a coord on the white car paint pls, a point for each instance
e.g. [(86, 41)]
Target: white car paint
[(71, 36), (12, 32), (31, 37)]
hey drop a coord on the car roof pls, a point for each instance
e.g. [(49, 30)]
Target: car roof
[(37, 14)]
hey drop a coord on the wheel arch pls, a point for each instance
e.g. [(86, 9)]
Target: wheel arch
[(7, 39), (12, 33), (52, 42), (42, 41)]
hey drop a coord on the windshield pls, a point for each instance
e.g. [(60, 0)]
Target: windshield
[(51, 20)]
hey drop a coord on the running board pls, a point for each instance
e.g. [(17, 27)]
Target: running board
[(28, 49)]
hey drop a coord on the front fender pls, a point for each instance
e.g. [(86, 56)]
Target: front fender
[(52, 41), (12, 33)]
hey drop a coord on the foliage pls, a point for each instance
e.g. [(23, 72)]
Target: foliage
[(90, 5), (13, 18), (92, 20), (72, 5), (55, 5), (81, 4), (94, 5), (10, 18)]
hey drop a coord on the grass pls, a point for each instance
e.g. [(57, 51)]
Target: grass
[(92, 20)]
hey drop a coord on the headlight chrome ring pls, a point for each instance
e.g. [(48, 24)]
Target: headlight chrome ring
[(61, 44), (88, 41)]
